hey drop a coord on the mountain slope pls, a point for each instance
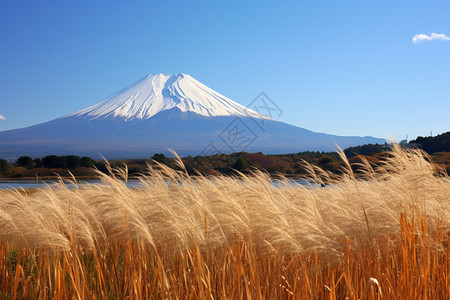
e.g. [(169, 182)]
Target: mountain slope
[(161, 112), (158, 92)]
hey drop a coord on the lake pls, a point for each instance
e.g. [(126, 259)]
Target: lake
[(31, 184)]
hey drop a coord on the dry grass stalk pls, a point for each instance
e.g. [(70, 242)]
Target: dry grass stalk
[(220, 237)]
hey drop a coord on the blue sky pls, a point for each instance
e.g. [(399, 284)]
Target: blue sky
[(340, 67)]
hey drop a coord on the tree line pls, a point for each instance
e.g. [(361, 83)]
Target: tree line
[(287, 164), (54, 161), (439, 143), (48, 166)]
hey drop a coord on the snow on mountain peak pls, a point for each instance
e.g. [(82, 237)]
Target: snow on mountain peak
[(158, 92)]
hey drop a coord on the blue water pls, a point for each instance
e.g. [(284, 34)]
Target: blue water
[(31, 184)]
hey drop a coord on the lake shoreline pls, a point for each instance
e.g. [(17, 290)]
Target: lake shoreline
[(272, 176), (132, 182)]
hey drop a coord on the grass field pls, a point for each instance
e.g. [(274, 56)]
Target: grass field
[(383, 234)]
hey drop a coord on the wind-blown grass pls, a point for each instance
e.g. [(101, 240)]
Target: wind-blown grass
[(381, 234)]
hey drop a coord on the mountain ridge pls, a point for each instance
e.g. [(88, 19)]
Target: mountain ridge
[(161, 112)]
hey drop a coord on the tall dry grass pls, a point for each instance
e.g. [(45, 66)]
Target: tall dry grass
[(383, 234)]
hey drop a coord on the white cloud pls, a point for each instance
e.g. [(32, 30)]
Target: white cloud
[(2, 117), (434, 36)]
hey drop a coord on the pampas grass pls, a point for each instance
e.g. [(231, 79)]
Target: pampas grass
[(382, 233)]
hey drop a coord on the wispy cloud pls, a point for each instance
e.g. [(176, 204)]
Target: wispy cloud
[(434, 36), (2, 117)]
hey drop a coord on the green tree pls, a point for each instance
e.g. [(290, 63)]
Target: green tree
[(241, 164), (37, 162), (54, 162), (86, 162), (4, 166), (101, 166), (161, 158), (73, 161), (24, 161)]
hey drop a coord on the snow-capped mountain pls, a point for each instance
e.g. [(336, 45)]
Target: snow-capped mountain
[(161, 112), (159, 92)]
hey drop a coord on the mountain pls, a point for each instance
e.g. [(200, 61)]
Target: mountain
[(161, 112), (159, 92)]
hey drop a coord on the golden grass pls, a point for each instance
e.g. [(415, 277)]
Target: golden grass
[(384, 236)]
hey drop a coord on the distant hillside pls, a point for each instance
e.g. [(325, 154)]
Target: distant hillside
[(439, 143), (367, 149)]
